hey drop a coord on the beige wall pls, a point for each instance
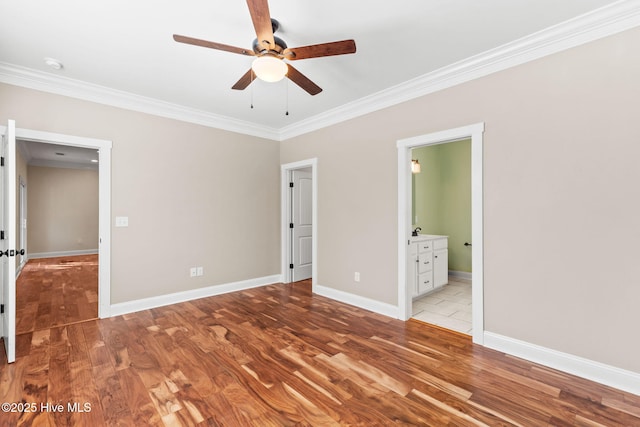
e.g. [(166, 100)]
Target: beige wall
[(62, 210), (195, 196), (561, 197)]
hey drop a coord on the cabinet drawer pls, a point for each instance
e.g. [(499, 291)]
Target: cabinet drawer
[(425, 263), (440, 244), (425, 246), (425, 282)]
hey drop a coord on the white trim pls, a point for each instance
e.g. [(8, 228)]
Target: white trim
[(285, 244), (474, 132), (178, 297), (104, 202), (608, 20), (595, 371), (600, 23), (47, 82), (461, 274), (357, 300), (56, 254)]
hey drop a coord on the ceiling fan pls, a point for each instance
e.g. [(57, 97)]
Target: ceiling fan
[(270, 51)]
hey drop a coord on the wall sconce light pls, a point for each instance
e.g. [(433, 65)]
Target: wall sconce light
[(415, 166)]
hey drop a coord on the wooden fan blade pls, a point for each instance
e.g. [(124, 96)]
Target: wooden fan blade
[(212, 45), (245, 80), (324, 49), (259, 10), (301, 80)]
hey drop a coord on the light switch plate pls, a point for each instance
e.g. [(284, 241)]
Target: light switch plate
[(122, 221)]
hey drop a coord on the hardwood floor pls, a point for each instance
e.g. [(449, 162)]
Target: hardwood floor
[(56, 291), (280, 356)]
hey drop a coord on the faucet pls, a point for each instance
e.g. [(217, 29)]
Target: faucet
[(415, 232)]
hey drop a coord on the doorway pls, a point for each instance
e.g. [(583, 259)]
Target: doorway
[(405, 220), (299, 221), (441, 211), (103, 148), (59, 283)]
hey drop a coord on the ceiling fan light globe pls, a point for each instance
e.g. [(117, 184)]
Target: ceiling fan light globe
[(269, 68)]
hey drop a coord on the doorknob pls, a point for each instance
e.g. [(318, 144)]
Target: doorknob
[(11, 252)]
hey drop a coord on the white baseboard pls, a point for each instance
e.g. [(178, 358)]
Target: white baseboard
[(62, 253), (358, 301), (20, 267), (162, 300), (461, 274), (595, 371)]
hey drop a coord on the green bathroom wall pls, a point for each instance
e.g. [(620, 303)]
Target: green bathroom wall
[(442, 197)]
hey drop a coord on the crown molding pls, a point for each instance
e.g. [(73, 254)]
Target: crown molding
[(34, 79), (612, 19)]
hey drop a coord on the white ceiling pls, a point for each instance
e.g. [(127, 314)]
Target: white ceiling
[(128, 46), (58, 156)]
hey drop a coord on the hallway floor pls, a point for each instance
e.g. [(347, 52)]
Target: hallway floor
[(56, 291), (449, 307)]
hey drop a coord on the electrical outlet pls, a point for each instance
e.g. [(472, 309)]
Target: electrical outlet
[(193, 272), (356, 276), (200, 271)]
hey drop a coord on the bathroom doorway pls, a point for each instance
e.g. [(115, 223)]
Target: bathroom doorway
[(405, 221), (441, 206)]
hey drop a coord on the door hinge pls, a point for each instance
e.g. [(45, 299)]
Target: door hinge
[(291, 185), (1, 161), (290, 225), (291, 266), (1, 308), (2, 235)]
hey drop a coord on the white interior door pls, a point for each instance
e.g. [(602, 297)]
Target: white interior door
[(8, 243), (302, 220)]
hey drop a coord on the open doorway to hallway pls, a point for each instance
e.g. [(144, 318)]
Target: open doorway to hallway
[(59, 228)]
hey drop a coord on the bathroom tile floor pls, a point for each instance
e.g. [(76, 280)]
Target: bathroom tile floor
[(449, 307)]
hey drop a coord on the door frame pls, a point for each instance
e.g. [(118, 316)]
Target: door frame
[(285, 206), (22, 209), (475, 133), (104, 201)]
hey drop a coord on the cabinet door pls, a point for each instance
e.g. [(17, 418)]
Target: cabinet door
[(440, 267), (412, 269)]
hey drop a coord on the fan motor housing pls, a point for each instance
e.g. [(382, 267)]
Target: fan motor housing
[(277, 49)]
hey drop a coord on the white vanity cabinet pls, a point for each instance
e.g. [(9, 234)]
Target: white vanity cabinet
[(427, 264)]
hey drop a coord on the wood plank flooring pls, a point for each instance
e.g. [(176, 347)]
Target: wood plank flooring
[(56, 291), (280, 356)]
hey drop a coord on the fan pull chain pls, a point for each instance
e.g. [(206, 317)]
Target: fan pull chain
[(251, 79), (287, 96)]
